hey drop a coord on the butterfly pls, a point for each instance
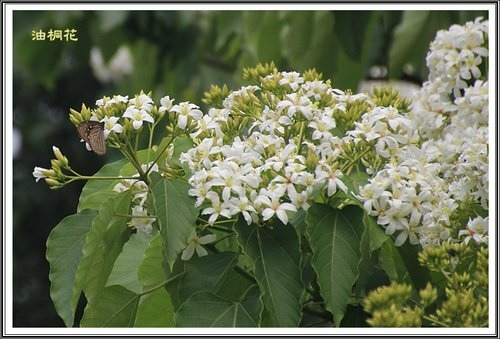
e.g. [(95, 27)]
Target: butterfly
[(92, 132)]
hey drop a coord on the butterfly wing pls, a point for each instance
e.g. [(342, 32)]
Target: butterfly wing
[(93, 134)]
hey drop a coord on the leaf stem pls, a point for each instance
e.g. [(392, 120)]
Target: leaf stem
[(245, 274), (166, 282)]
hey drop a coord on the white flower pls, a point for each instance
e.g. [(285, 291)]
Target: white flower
[(142, 102), (229, 178), (275, 207), (299, 200), (332, 177), (185, 110), (297, 103), (166, 104), (206, 123), (217, 208), (141, 220), (127, 184), (111, 125), (41, 173), (394, 217), (477, 229), (242, 205), (315, 89), (322, 127), (293, 79), (194, 244), (106, 102), (138, 116)]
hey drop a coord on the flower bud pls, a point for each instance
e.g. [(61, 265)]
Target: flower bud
[(428, 294), (63, 160), (75, 117), (55, 165), (53, 183)]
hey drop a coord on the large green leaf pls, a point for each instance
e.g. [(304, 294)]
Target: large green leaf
[(175, 214), (116, 308), (275, 254), (205, 273), (206, 309), (151, 271), (102, 246), (64, 251), (155, 310), (335, 237), (126, 266)]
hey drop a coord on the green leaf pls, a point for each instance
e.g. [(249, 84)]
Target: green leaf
[(64, 251), (367, 263), (276, 259), (102, 246), (155, 310), (376, 234), (335, 237), (206, 309), (261, 32), (96, 192), (151, 271), (228, 24), (117, 308), (234, 284), (419, 275), (205, 273), (175, 214), (393, 265), (146, 62), (350, 29), (354, 180), (125, 269), (355, 316), (307, 41)]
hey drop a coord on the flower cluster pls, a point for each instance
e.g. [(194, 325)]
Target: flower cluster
[(456, 55), (428, 191), (275, 147), (54, 177)]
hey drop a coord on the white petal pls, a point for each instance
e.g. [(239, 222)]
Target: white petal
[(201, 251), (282, 216), (268, 213), (206, 239), (187, 253)]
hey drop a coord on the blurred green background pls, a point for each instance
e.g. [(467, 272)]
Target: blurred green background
[(175, 53)]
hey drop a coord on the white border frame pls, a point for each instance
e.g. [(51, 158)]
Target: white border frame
[(8, 329)]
